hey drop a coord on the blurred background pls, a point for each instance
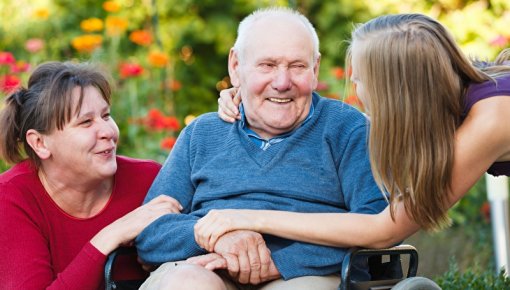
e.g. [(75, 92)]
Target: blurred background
[(168, 59)]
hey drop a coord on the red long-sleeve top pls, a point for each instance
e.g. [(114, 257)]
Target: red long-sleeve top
[(43, 247)]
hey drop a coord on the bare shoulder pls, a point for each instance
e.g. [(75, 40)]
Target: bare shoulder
[(490, 118), (482, 139)]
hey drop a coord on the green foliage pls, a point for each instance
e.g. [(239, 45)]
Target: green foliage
[(473, 278), (196, 36), (3, 166)]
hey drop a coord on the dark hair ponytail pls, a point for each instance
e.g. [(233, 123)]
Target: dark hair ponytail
[(10, 122)]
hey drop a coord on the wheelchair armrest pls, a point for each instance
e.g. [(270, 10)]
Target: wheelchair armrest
[(110, 282), (394, 252)]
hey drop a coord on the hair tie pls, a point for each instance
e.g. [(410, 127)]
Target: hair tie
[(18, 96)]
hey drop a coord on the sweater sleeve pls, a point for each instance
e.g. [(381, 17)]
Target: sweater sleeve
[(171, 237), (361, 193), (27, 261)]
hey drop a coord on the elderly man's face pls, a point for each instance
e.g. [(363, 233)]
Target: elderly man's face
[(276, 74)]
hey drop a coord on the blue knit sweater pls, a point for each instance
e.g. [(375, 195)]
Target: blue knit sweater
[(322, 167)]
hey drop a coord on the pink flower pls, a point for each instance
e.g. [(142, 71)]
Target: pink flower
[(499, 41), (6, 58), (34, 45)]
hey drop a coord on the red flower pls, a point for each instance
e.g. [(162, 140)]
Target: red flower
[(6, 58), (9, 83), (130, 70), (167, 143), (485, 210), (156, 120)]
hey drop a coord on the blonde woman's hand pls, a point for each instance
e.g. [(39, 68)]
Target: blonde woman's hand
[(125, 229), (216, 223), (228, 105)]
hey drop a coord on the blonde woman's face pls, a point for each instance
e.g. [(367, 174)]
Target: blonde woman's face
[(356, 79)]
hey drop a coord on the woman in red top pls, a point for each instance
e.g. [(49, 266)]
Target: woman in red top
[(72, 201)]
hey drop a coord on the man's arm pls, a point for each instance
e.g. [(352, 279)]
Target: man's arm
[(171, 237), (361, 193)]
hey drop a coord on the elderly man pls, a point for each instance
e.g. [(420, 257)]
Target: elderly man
[(292, 150)]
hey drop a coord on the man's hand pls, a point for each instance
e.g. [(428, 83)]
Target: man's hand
[(211, 261), (247, 256)]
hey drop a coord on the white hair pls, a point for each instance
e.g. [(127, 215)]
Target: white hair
[(248, 21)]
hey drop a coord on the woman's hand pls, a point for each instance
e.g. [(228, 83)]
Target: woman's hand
[(218, 222), (228, 105), (124, 230)]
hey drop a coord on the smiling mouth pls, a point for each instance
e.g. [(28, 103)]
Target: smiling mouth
[(277, 100), (109, 151)]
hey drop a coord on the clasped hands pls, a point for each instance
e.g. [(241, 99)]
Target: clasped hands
[(242, 252)]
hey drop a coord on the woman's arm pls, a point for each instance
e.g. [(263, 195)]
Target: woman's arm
[(332, 229), (124, 230), (482, 139)]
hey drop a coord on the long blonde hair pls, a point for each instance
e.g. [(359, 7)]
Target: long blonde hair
[(414, 77)]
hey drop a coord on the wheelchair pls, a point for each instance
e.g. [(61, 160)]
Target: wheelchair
[(385, 267)]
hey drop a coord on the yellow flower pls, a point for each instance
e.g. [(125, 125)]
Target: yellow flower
[(91, 25), (158, 59), (41, 13), (87, 42), (111, 6), (189, 119), (115, 25)]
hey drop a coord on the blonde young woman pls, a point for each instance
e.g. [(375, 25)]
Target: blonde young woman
[(438, 123)]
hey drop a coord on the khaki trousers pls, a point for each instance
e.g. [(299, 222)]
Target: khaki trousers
[(330, 282)]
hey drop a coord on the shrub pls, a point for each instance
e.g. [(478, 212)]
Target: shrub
[(472, 278)]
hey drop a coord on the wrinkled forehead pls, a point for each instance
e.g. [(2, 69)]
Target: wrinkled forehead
[(279, 37)]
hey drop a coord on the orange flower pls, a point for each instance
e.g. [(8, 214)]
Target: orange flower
[(141, 37), (354, 101), (9, 83), (338, 72), (41, 13), (111, 6), (333, 96), (168, 143), (130, 70), (115, 25), (20, 66), (158, 59), (174, 85), (87, 42), (91, 25)]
